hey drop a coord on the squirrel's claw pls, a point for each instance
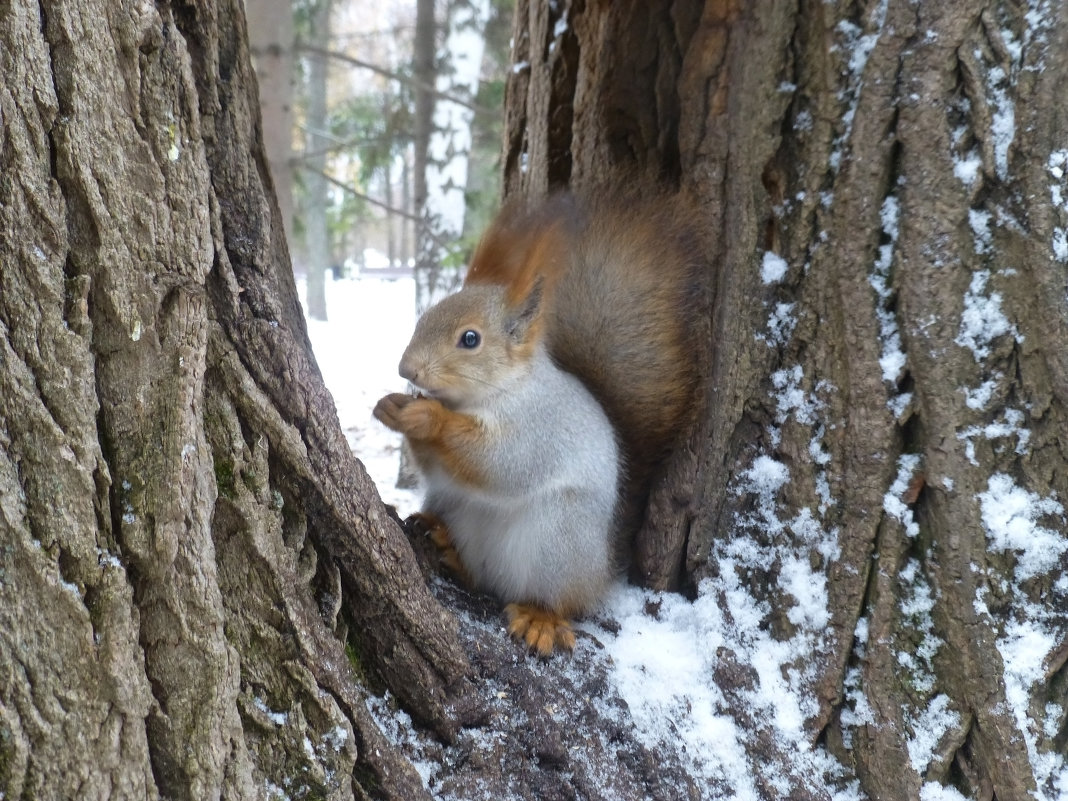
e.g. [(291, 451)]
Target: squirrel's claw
[(540, 629)]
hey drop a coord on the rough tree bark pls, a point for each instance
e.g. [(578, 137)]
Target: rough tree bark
[(886, 184), (180, 515)]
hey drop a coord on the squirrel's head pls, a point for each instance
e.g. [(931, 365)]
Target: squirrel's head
[(474, 344)]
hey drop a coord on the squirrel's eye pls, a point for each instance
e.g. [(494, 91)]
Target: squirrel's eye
[(469, 339)]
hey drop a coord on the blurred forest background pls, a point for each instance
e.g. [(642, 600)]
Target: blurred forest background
[(382, 123)]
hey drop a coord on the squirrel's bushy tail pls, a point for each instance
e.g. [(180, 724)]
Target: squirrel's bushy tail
[(625, 320), (622, 271)]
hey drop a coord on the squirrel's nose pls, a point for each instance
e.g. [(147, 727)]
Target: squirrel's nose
[(407, 370)]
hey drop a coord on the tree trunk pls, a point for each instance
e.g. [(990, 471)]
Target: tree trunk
[(180, 516), (388, 193), (424, 70), (404, 222), (459, 73), (887, 384)]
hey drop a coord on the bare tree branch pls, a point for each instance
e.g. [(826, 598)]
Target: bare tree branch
[(374, 202), (394, 76)]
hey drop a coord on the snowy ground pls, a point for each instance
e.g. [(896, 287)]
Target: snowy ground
[(661, 664), (358, 350)]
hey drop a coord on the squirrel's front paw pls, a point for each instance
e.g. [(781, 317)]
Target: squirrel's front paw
[(539, 628), (388, 409), (413, 417)]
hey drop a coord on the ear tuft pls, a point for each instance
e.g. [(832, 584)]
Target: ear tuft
[(542, 261), (524, 241), (524, 314)]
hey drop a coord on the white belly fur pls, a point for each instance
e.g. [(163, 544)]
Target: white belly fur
[(541, 532)]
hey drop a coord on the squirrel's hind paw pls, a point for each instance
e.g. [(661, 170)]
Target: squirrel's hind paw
[(434, 527), (539, 628)]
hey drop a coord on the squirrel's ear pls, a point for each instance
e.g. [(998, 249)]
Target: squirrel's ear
[(523, 315)]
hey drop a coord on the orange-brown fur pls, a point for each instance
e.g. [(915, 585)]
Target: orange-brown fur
[(541, 629), (434, 527)]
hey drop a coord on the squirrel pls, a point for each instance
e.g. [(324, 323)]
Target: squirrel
[(551, 385)]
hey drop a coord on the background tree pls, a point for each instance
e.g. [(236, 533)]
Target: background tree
[(457, 76), (483, 189), (424, 70), (271, 35), (446, 68), (317, 145)]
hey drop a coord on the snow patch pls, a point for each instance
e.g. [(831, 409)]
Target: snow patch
[(1025, 645), (655, 658), (983, 320), (277, 718), (980, 223), (968, 167), (772, 268), (932, 791), (979, 397), (654, 661), (781, 325), (1010, 425), (892, 360), (852, 39), (1002, 119), (856, 711), (790, 398), (1010, 518), (560, 28), (1057, 165), (764, 479), (893, 505), (928, 730), (364, 310), (917, 603), (398, 728)]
